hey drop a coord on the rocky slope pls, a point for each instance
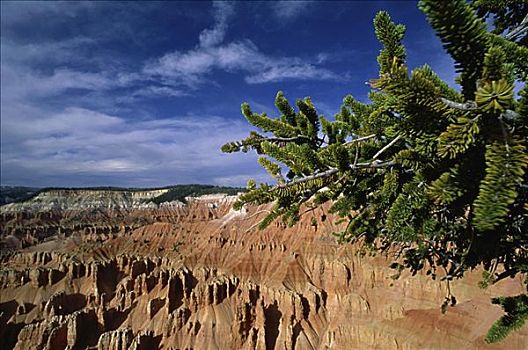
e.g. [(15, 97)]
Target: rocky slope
[(67, 199), (201, 276)]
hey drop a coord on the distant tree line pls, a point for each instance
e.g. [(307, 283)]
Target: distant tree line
[(9, 194)]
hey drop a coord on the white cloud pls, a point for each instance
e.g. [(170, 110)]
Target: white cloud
[(51, 131), (301, 71), (81, 142), (171, 75), (58, 52), (158, 91), (222, 12), (21, 82), (190, 68), (14, 12), (289, 9)]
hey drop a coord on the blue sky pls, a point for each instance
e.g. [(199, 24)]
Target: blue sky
[(144, 93)]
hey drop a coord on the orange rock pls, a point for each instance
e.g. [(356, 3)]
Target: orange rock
[(201, 276)]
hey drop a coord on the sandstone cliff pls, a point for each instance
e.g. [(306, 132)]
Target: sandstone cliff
[(201, 276), (85, 199)]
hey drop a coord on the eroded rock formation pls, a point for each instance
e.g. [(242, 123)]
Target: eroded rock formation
[(201, 276)]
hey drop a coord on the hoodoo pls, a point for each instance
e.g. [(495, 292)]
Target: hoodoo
[(201, 276)]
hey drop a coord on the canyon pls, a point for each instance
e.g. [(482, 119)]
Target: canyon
[(93, 269)]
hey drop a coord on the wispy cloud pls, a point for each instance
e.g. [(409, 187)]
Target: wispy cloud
[(222, 12), (23, 82), (191, 68), (63, 97), (158, 91), (80, 142), (23, 78), (170, 75), (288, 10), (22, 11)]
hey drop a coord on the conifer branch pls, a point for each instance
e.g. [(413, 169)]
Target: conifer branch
[(291, 139), (324, 174), (517, 31), (467, 106), (375, 164), (360, 139), (287, 139), (471, 106), (387, 147), (510, 115)]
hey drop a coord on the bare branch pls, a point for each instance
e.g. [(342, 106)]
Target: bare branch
[(471, 106), (359, 139), (375, 164), (518, 31), (387, 147), (252, 227), (279, 178), (286, 139), (371, 165), (467, 106), (357, 156), (326, 173), (509, 114), (504, 135)]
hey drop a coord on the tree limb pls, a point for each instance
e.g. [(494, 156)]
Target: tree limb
[(291, 139), (279, 178), (509, 114), (254, 214), (375, 164), (359, 139), (326, 173), (467, 106), (471, 106), (357, 156), (517, 31), (286, 139), (387, 147)]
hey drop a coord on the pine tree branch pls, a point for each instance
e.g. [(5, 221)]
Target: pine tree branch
[(375, 164), (286, 139), (324, 174), (360, 139), (467, 106), (279, 178), (290, 139), (517, 31), (387, 147), (509, 114), (471, 106)]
